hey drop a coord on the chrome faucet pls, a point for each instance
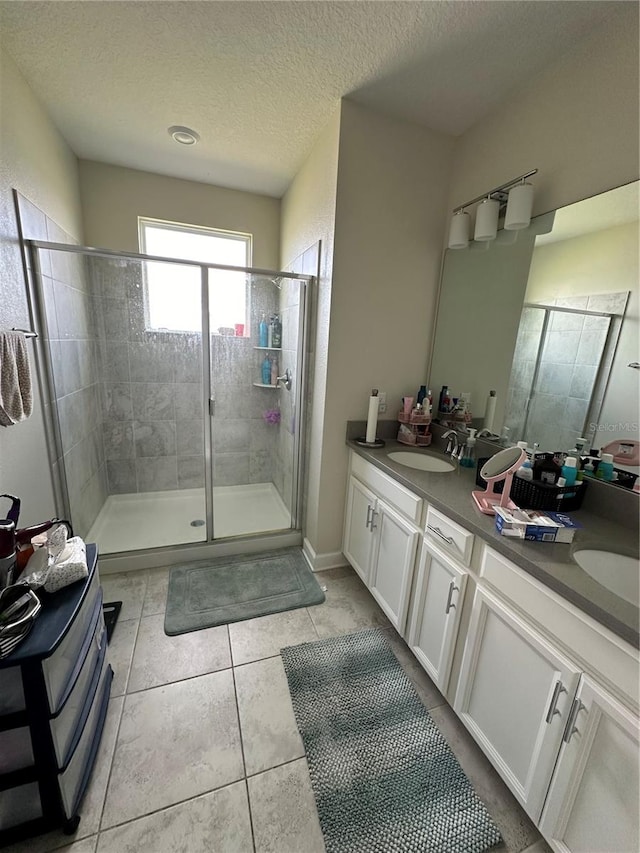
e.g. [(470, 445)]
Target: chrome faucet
[(453, 445)]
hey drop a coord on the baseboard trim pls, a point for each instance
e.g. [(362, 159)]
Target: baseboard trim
[(320, 562)]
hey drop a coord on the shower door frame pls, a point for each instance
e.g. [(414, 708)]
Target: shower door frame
[(37, 307)]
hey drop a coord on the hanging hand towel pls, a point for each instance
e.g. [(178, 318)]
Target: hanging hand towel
[(16, 399)]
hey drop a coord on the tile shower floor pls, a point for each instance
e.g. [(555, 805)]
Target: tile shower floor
[(200, 752), (155, 519)]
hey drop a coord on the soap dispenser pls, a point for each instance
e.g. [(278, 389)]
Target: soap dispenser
[(469, 454)]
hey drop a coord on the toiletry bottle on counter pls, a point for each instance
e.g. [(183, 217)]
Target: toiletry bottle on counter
[(570, 470), (266, 371), (561, 484), (605, 468), (422, 393), (469, 454), (525, 471), (263, 332)]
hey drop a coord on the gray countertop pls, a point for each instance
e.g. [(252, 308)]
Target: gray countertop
[(550, 563)]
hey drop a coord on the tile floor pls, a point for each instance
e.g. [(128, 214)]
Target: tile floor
[(200, 752)]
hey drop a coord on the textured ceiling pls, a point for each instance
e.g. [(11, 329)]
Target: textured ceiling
[(259, 80)]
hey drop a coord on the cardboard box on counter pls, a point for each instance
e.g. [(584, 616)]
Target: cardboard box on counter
[(534, 525)]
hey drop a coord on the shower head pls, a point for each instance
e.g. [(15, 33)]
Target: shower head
[(277, 280)]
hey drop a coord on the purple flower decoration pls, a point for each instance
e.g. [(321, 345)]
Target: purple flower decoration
[(272, 416)]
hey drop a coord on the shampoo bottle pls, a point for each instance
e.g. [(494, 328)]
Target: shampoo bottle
[(263, 333), (277, 333), (570, 470), (266, 371), (605, 468)]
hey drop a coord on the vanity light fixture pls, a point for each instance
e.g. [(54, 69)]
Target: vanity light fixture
[(183, 135), (515, 195)]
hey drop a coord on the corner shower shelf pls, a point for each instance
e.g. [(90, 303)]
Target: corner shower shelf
[(262, 385)]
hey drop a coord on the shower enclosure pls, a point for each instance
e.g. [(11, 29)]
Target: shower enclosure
[(165, 430)]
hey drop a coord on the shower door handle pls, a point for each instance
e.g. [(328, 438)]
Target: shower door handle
[(286, 379), (212, 407)]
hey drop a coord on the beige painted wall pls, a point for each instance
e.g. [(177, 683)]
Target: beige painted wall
[(113, 197), (35, 160), (577, 123), (308, 216)]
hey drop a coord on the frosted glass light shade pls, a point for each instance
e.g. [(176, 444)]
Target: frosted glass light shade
[(459, 230), (487, 220), (519, 207)]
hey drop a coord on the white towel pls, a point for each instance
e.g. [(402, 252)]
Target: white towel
[(16, 398)]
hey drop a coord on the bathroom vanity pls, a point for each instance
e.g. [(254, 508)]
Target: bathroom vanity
[(538, 660)]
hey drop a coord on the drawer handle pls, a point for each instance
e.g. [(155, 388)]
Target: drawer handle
[(558, 689), (450, 604), (571, 729), (374, 512), (438, 532), (369, 510)]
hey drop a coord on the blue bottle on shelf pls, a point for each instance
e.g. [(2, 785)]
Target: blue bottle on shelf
[(266, 371), (263, 333)]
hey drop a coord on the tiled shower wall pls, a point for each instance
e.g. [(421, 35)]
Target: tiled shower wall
[(75, 434), (152, 406)]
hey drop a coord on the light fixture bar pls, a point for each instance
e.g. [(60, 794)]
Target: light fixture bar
[(499, 189)]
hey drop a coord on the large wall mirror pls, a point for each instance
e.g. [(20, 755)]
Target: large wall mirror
[(548, 317)]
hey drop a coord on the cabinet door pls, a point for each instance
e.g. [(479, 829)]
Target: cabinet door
[(514, 696), (592, 804), (435, 617), (358, 535), (396, 541)]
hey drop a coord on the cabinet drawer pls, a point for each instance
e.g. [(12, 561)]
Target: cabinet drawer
[(15, 750), (58, 670), (598, 649), (20, 804), (76, 776), (402, 499), (449, 536), (11, 692), (65, 725)]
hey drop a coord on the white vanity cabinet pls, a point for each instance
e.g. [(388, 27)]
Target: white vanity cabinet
[(514, 695), (358, 540), (593, 801), (381, 537), (435, 613)]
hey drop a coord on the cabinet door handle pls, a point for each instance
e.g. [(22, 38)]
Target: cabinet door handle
[(369, 511), (374, 512), (450, 604), (570, 728), (438, 532), (558, 689)]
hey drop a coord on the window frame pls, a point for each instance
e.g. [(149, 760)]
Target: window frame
[(172, 226)]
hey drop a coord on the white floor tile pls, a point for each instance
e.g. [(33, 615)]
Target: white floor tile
[(159, 659), (265, 636), (218, 821), (269, 732), (120, 652), (175, 742), (127, 587)]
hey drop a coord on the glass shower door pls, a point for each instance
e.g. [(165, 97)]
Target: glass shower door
[(256, 406)]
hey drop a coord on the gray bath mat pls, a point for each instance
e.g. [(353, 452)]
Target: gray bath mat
[(383, 776), (230, 589)]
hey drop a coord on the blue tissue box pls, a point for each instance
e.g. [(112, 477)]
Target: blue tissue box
[(535, 526)]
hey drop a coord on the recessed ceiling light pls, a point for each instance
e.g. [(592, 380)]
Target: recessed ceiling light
[(183, 135)]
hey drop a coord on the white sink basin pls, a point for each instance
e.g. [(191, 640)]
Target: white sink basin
[(618, 573), (421, 461)]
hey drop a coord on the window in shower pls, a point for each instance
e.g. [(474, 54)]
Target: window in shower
[(172, 299)]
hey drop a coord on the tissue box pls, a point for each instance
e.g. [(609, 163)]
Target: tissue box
[(535, 526)]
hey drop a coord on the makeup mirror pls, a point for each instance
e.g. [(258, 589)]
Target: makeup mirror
[(548, 317), (502, 466)]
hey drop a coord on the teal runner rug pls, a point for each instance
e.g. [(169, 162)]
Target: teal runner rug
[(384, 778), (231, 589)]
